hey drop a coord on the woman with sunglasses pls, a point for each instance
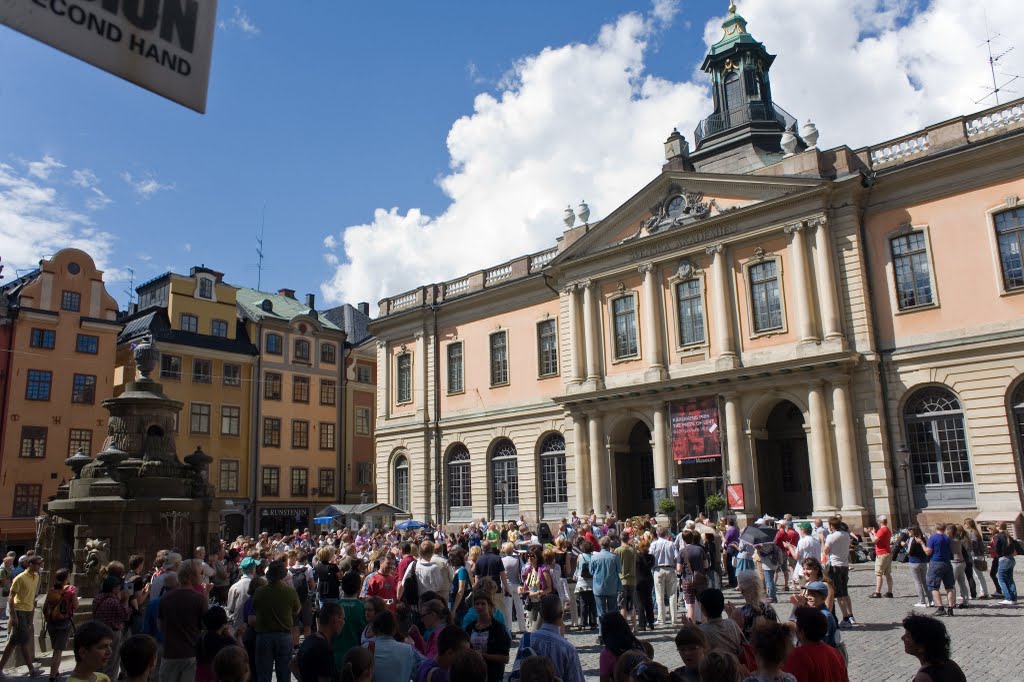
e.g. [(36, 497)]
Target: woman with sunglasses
[(537, 582)]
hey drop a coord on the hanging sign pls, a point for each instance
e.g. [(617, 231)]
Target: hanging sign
[(734, 496), (695, 434), (162, 45)]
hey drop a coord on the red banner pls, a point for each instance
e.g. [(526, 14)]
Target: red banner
[(695, 432), (734, 496)]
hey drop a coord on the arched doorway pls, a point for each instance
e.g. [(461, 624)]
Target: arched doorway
[(634, 474), (783, 469)]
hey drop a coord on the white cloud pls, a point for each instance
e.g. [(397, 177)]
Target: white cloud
[(36, 222), (585, 121), (188, 247), (42, 169), (241, 21), (145, 187), (84, 177)]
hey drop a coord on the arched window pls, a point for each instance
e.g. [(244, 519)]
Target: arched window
[(1017, 405), (554, 488), (401, 483), (505, 478), (459, 498), (937, 441), (734, 97)]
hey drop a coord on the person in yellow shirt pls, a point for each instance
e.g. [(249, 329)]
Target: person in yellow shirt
[(23, 602), (93, 649)]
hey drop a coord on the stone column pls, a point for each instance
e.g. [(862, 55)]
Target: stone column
[(803, 297), (662, 449), (581, 458), (592, 331), (820, 454), (653, 346), (598, 463), (576, 355), (846, 449), (725, 334), (739, 468), (827, 297)]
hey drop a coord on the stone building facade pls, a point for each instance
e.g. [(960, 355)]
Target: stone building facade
[(813, 331)]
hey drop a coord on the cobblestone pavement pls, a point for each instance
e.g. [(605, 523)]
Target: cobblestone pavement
[(987, 638)]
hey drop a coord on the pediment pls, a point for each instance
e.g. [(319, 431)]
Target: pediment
[(676, 201)]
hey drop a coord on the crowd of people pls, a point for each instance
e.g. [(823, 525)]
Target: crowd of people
[(438, 604)]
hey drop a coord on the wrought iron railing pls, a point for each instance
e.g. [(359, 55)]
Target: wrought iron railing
[(731, 118)]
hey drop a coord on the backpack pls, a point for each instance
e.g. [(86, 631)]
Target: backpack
[(301, 583), (585, 568), (411, 587), (525, 651), (58, 606)]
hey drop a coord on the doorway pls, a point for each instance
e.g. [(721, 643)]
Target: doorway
[(634, 474), (783, 467)]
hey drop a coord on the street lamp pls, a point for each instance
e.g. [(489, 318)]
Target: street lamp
[(503, 487), (903, 457)]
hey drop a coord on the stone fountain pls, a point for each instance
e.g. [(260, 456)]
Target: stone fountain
[(135, 496)]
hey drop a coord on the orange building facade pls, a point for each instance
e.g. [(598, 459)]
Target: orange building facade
[(59, 332)]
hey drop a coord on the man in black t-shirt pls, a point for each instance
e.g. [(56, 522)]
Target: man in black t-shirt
[(314, 661), (490, 565)]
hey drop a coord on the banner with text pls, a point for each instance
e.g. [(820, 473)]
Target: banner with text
[(162, 45), (695, 432)]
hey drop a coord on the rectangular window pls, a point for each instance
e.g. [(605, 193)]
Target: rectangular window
[(499, 358), (205, 288), (455, 382), (79, 439), (272, 386), (300, 389), (27, 499), (690, 304), (300, 434), (326, 436), (232, 374), (84, 343), (1010, 235), (364, 473), (219, 328), (230, 420), (326, 483), (301, 350), (170, 367), (363, 421), (624, 321), (33, 442), (189, 323), (83, 389), (328, 391), (202, 371), (272, 432), (364, 374), (910, 267), (199, 418), (765, 299), (328, 353), (403, 378), (274, 342), (38, 385), (547, 348), (43, 338), (271, 481), (228, 482), (300, 481), (71, 301)]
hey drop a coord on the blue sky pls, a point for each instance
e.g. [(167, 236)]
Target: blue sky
[(393, 144)]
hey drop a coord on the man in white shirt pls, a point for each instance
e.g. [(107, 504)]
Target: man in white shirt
[(666, 583), (433, 572), (807, 548), (837, 547)]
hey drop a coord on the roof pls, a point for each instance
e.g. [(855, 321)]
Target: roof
[(154, 321), (353, 321), (358, 509), (283, 308), (18, 282)]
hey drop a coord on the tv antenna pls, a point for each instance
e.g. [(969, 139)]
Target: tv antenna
[(259, 249), (993, 59), (131, 286)]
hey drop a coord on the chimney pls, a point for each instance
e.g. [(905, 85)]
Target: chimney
[(288, 293), (311, 301), (364, 308)]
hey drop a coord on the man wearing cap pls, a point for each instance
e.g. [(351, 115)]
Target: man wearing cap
[(172, 562), (239, 593), (882, 537), (24, 589), (817, 594), (110, 607)]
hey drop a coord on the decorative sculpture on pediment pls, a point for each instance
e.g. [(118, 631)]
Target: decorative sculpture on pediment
[(677, 208)]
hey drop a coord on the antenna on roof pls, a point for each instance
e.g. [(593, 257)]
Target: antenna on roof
[(993, 59), (259, 248), (131, 286)]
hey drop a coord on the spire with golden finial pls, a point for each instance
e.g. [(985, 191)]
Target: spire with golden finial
[(732, 7)]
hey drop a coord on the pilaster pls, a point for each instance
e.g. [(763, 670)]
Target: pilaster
[(725, 332), (798, 259)]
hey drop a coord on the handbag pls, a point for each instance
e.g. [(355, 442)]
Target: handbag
[(980, 564)]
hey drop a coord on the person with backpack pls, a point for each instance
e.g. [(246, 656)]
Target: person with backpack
[(58, 614), (301, 574), (548, 641)]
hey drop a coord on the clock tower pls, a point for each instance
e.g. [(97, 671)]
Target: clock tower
[(745, 130)]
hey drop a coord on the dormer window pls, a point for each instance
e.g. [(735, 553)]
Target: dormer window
[(206, 288)]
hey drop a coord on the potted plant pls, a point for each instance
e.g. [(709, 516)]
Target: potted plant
[(714, 503), (667, 507)]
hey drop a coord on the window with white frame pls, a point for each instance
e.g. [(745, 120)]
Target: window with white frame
[(455, 381), (499, 358), (403, 378), (459, 478), (505, 473), (937, 438), (1010, 236), (690, 309), (362, 421), (228, 482), (547, 348), (199, 418), (230, 420), (624, 327), (401, 483), (554, 485), (911, 271), (765, 296)]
